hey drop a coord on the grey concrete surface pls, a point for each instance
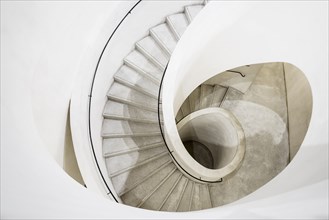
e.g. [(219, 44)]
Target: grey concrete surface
[(150, 49), (262, 112), (126, 95), (177, 24), (165, 38), (116, 145), (141, 64), (117, 110), (192, 11), (137, 81), (300, 103), (194, 99)]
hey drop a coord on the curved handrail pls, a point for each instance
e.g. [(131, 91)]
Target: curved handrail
[(90, 96), (163, 137)]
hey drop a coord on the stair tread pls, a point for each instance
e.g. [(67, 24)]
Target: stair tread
[(200, 198), (117, 163), (117, 110), (194, 100), (136, 196), (115, 145), (192, 11), (184, 204), (165, 37), (141, 64), (156, 199), (206, 95), (186, 109), (178, 24), (150, 48), (127, 181), (119, 92), (174, 197), (131, 78), (179, 115), (218, 95), (116, 128)]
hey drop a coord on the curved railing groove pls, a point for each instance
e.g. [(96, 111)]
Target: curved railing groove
[(90, 97)]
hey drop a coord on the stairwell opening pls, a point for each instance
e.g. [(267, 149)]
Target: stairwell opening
[(200, 153), (210, 137)]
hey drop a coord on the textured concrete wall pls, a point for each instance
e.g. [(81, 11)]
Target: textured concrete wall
[(262, 113), (300, 103)]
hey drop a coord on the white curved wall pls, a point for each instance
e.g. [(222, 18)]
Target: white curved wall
[(55, 35)]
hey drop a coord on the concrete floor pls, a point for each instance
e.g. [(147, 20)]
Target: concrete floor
[(262, 112)]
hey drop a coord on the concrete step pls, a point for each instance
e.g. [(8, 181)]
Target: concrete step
[(130, 160), (137, 165), (137, 195), (191, 11), (141, 64), (194, 100), (117, 110), (135, 80), (179, 115), (123, 94), (185, 201), (164, 37), (121, 128), (152, 50), (173, 200), (200, 198), (117, 146), (186, 109), (218, 95), (160, 195), (177, 24), (127, 181), (206, 95)]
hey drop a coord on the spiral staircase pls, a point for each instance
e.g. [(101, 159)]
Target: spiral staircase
[(55, 58), (138, 162)]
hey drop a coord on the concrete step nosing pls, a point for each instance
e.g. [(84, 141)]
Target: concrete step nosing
[(120, 135), (182, 193), (141, 148), (141, 71), (150, 57), (160, 43), (140, 164), (145, 178), (135, 87), (129, 102), (172, 28), (188, 15), (157, 187), (125, 118), (170, 191)]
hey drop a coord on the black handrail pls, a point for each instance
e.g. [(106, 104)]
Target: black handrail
[(90, 96), (163, 137), (234, 71)]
